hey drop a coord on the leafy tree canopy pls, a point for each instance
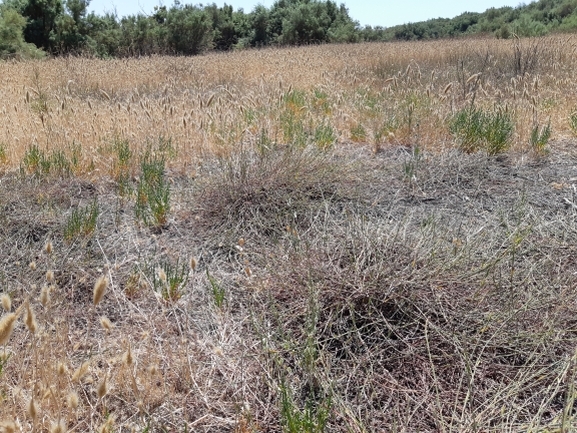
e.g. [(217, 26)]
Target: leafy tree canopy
[(65, 26)]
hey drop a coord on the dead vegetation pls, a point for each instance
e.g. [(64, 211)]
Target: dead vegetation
[(284, 278)]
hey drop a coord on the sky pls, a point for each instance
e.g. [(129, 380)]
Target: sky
[(367, 12)]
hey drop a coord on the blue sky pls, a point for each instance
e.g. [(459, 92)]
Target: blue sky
[(367, 12)]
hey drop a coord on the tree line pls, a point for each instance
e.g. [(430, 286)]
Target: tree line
[(537, 18), (32, 28), (66, 26)]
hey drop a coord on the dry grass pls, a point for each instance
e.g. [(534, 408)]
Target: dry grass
[(375, 93), (327, 261)]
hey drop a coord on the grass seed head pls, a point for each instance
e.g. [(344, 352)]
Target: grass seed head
[(99, 289), (473, 77), (32, 409), (107, 427), (59, 427), (161, 275), (50, 276), (8, 426), (80, 371), (48, 248), (193, 263), (6, 302), (30, 320), (32, 266), (45, 296), (102, 388), (7, 326), (127, 358), (72, 400), (106, 324)]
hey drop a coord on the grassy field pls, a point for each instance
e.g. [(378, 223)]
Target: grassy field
[(343, 238)]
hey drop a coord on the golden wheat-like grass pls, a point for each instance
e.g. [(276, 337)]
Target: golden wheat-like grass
[(44, 295), (213, 103), (102, 388), (106, 323)]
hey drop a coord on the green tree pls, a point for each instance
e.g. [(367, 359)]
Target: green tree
[(224, 35), (260, 18), (17, 5), (343, 28), (42, 16), (71, 29), (11, 35), (189, 30), (141, 35), (525, 26), (104, 35), (297, 22), (306, 23), (77, 10)]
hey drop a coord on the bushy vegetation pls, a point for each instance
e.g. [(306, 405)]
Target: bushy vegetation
[(12, 43), (534, 19), (482, 129), (65, 26)]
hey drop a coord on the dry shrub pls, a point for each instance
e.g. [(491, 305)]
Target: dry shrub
[(280, 190), (426, 321)]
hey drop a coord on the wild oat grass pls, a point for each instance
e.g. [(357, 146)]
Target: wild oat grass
[(330, 260)]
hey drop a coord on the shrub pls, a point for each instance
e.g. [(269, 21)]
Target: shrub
[(265, 193), (477, 129)]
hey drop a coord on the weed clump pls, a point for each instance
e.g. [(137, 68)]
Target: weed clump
[(478, 129), (56, 162), (284, 187), (153, 192), (167, 278), (82, 222), (540, 138)]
